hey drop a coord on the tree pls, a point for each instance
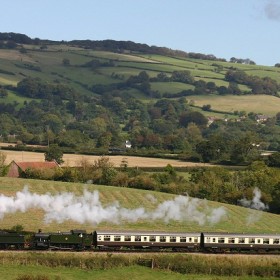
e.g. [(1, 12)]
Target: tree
[(274, 160), (193, 117), (208, 150), (245, 149), (182, 76), (54, 152), (2, 163), (206, 107)]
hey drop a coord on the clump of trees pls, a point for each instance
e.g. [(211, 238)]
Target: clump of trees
[(258, 85)]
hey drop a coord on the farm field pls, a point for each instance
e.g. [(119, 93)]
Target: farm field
[(264, 104), (75, 159), (197, 216)]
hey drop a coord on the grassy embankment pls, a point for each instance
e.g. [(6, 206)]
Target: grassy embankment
[(237, 219)]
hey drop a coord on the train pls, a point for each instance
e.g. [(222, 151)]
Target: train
[(98, 240)]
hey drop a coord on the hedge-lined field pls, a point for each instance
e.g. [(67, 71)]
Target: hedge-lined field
[(75, 159)]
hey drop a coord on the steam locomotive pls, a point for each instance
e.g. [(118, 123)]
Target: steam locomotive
[(118, 240)]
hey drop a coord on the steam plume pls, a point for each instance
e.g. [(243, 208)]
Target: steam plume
[(255, 203), (88, 208)]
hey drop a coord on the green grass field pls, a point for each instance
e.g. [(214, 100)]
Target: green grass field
[(92, 265), (237, 219), (264, 104), (13, 272)]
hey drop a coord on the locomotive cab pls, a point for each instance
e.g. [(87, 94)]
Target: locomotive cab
[(41, 241)]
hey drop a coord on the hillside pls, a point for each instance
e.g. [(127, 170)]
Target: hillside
[(86, 70), (91, 97), (192, 217)]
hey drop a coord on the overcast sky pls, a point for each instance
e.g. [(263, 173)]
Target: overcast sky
[(224, 28)]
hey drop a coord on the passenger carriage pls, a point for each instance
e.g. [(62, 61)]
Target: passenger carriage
[(149, 240), (240, 241)]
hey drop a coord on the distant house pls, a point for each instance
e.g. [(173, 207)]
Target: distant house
[(17, 168), (261, 118), (128, 144), (211, 119)]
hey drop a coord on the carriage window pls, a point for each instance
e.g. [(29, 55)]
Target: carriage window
[(195, 239), (162, 239), (183, 239), (127, 238), (99, 238), (276, 241), (265, 241), (208, 239), (117, 238), (137, 238), (214, 239), (107, 237), (172, 238), (259, 241), (231, 240), (221, 240), (241, 240), (145, 238), (152, 238), (252, 240)]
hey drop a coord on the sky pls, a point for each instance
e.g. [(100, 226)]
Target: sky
[(224, 28)]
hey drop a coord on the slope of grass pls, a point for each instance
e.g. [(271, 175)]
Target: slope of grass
[(264, 104), (237, 219)]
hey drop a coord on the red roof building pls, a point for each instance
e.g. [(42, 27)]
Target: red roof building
[(16, 168)]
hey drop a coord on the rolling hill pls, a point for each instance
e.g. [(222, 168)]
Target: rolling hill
[(116, 204), (83, 68)]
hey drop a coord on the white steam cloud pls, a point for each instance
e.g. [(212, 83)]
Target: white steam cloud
[(255, 203), (88, 208)]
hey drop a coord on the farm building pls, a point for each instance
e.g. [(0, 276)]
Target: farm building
[(17, 168)]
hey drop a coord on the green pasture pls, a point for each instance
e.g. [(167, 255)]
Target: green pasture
[(237, 219), (119, 56), (275, 75), (179, 62), (13, 97), (14, 272), (170, 87), (151, 66), (264, 104)]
